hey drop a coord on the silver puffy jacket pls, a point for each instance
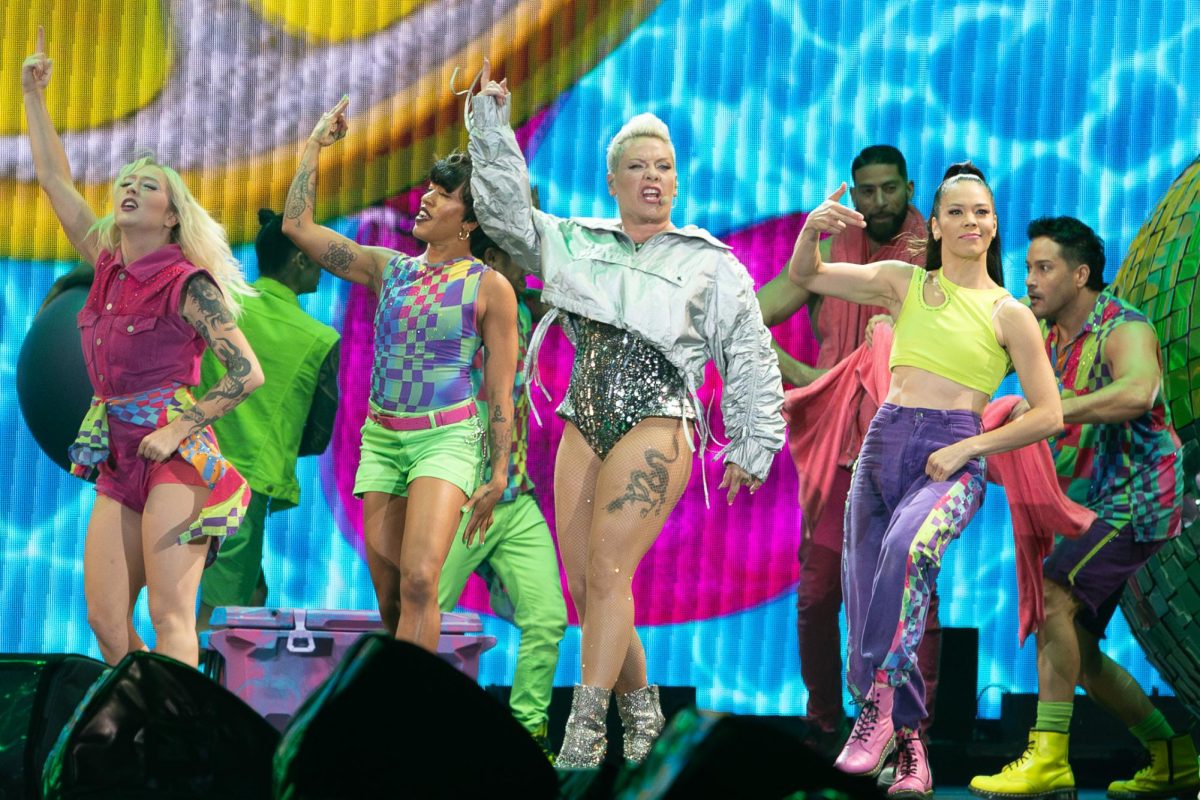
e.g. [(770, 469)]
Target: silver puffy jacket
[(683, 291)]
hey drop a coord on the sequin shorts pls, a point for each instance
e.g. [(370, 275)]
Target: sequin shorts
[(618, 379)]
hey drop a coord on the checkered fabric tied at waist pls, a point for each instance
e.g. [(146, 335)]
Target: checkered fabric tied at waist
[(153, 409)]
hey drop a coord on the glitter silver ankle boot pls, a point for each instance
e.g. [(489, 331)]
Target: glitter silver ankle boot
[(584, 742), (643, 720)]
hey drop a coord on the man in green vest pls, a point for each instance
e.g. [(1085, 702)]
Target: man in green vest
[(517, 557), (291, 416)]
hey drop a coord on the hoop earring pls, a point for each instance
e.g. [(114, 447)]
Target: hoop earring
[(463, 235)]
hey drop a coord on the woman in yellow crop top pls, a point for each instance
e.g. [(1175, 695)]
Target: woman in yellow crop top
[(919, 477)]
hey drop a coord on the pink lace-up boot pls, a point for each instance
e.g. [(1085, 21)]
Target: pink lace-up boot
[(914, 781), (872, 739)]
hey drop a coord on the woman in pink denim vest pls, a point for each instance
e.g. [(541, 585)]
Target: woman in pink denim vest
[(166, 286)]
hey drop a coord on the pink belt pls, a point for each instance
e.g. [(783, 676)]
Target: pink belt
[(434, 419)]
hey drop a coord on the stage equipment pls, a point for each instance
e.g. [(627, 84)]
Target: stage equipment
[(38, 694), (705, 755), (157, 728), (396, 721), (273, 658)]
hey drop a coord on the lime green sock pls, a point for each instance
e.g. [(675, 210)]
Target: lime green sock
[(1154, 726), (1054, 717)]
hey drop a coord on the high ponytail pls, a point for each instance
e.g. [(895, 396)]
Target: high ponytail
[(955, 174)]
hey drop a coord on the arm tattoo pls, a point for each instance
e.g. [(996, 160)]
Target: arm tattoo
[(499, 438), (207, 297), (197, 419), (302, 192), (338, 258), (648, 487), (227, 393), (213, 322)]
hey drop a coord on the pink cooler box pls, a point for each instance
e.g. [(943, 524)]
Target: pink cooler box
[(274, 658)]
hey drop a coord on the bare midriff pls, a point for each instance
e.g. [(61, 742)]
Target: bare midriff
[(919, 388)]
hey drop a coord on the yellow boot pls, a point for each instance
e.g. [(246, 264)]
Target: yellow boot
[(1171, 772), (1041, 772)]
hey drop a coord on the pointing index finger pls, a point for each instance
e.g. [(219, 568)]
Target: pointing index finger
[(41, 39), (485, 75)]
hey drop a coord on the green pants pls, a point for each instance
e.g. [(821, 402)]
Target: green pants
[(520, 551), (237, 572)]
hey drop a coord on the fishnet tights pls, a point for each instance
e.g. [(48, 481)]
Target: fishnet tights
[(609, 513)]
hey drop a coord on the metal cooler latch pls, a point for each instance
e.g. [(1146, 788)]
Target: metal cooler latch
[(300, 640)]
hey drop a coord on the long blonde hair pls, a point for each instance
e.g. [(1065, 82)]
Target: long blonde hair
[(201, 237)]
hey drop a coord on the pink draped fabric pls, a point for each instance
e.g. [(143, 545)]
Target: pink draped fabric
[(821, 420), (1039, 511)]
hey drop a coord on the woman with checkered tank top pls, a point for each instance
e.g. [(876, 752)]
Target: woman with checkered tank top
[(423, 445)]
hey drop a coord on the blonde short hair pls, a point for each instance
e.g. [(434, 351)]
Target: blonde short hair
[(641, 125)]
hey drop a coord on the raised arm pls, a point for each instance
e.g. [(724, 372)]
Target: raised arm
[(335, 253), (498, 325), (204, 310), (882, 283), (1023, 340), (500, 177), (1131, 353), (50, 159)]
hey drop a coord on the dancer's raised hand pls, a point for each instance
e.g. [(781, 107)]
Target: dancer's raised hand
[(35, 72), (332, 125), (832, 217), (490, 88)]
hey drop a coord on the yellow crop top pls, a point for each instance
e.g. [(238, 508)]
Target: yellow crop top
[(955, 339)]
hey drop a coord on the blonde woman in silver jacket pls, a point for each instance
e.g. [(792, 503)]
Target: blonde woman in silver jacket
[(647, 305)]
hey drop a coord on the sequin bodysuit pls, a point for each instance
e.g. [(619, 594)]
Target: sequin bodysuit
[(618, 379)]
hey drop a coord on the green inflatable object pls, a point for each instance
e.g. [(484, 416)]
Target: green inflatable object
[(1160, 276)]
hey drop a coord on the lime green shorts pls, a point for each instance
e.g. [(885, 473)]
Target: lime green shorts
[(390, 460)]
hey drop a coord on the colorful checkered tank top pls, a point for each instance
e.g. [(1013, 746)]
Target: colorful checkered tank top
[(425, 334)]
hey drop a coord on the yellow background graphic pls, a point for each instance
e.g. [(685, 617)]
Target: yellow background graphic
[(191, 80)]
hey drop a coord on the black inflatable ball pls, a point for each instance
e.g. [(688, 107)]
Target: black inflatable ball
[(52, 382)]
